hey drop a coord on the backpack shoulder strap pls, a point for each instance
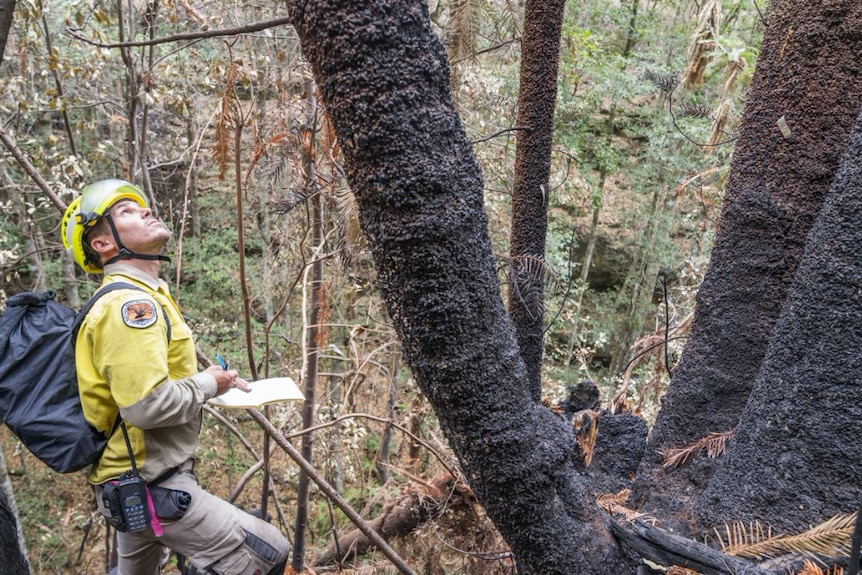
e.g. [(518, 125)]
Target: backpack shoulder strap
[(103, 291)]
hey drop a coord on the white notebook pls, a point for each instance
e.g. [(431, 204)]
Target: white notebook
[(263, 391)]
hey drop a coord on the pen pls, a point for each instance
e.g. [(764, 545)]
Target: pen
[(224, 364)]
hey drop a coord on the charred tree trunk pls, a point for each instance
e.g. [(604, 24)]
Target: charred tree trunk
[(7, 10), (807, 73), (540, 56), (384, 80), (13, 554), (801, 424)]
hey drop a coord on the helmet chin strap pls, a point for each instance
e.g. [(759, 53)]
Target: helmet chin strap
[(126, 253)]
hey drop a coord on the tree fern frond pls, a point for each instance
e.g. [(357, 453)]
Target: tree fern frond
[(664, 82), (222, 152), (714, 444), (677, 570), (586, 426), (811, 568), (463, 28), (695, 111), (298, 196), (721, 117), (702, 43), (830, 539), (614, 504), (350, 238)]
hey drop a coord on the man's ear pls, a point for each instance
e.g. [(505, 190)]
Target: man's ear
[(102, 243)]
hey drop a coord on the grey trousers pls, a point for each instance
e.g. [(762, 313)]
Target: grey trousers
[(213, 535)]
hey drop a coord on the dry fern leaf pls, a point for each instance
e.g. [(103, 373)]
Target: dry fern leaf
[(811, 568), (830, 539), (586, 426), (715, 444), (702, 44), (613, 504), (677, 570)]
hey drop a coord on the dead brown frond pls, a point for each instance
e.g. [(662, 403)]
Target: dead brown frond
[(829, 539), (586, 425), (734, 67), (721, 118), (702, 44), (463, 28), (714, 444), (677, 570), (222, 152), (614, 504), (685, 184), (811, 568), (351, 241)]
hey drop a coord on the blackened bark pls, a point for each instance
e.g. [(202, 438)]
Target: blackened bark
[(801, 424), (7, 10), (808, 72), (13, 560), (537, 97), (384, 80)]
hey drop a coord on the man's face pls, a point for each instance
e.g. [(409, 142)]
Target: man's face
[(138, 230)]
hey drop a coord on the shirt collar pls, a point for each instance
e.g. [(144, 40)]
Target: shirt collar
[(119, 268)]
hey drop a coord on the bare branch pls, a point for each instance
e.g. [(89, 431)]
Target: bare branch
[(246, 29)]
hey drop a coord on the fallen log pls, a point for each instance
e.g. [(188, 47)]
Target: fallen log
[(666, 548), (420, 503)]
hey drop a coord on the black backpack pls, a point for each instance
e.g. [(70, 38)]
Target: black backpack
[(38, 384)]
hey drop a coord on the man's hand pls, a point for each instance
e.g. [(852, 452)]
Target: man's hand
[(226, 379)]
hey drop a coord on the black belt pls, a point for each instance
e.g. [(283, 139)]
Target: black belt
[(164, 476)]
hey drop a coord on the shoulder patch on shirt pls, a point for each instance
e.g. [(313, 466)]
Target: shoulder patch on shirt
[(139, 313)]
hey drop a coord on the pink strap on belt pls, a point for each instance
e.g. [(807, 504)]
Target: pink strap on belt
[(154, 519)]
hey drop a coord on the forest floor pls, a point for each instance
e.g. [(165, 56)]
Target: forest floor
[(65, 534)]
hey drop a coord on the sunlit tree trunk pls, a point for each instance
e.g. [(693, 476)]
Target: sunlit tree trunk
[(314, 331), (807, 76)]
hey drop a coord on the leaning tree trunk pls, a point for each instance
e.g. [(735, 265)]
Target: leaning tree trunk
[(384, 78), (808, 74), (537, 98), (801, 424)]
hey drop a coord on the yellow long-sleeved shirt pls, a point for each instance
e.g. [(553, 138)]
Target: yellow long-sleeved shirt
[(126, 364)]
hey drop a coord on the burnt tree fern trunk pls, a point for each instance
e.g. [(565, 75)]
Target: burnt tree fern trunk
[(384, 80), (808, 73), (7, 10), (801, 424), (537, 98)]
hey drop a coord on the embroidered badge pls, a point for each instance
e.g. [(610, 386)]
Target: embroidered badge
[(139, 313)]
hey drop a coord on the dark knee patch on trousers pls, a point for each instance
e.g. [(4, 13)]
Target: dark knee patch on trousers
[(266, 551)]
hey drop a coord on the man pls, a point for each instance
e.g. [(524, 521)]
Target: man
[(136, 363)]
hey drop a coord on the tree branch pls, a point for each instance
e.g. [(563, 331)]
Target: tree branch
[(248, 28), (31, 170)]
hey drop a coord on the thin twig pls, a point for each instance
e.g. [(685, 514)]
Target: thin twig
[(494, 135)]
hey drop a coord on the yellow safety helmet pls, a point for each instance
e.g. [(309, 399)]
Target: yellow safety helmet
[(87, 209)]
